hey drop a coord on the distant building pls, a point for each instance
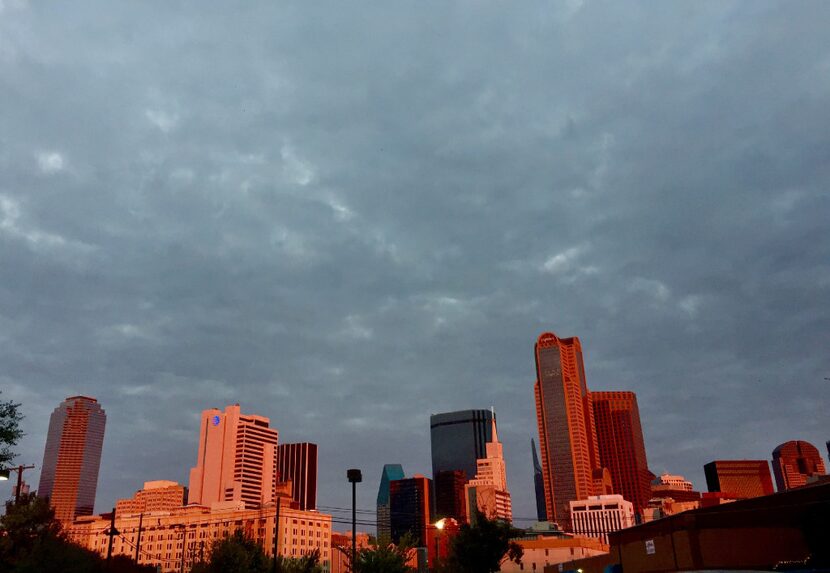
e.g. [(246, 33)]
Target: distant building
[(156, 496), (487, 493), (72, 457), (390, 473), (621, 446), (794, 462), (301, 532), (599, 515), (538, 484), (410, 504), (450, 501), (236, 459), (567, 434), (297, 463), (739, 479)]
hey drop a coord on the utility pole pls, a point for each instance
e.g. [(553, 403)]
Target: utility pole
[(138, 537), (277, 535), (112, 533), (355, 477)]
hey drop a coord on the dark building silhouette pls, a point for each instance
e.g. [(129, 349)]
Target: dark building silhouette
[(72, 457), (538, 484), (567, 435), (794, 462), (390, 473), (298, 463), (739, 479), (449, 495), (410, 508), (621, 446)]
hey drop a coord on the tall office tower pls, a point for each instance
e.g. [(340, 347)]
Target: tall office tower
[(391, 472), (487, 493), (449, 495), (69, 474), (795, 461), (567, 437), (298, 463), (236, 460), (621, 446), (409, 508), (538, 484), (739, 479)]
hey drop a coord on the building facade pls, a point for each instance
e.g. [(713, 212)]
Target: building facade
[(487, 493), (156, 496), (298, 463), (72, 457), (178, 539), (410, 508), (599, 515), (567, 435), (236, 459), (794, 462), (390, 473), (739, 479), (621, 446)]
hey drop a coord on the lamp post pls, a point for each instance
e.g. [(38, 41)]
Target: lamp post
[(355, 477), (4, 476)]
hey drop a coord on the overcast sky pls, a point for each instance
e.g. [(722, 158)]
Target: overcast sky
[(349, 215)]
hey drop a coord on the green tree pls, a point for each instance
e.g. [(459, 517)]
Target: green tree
[(382, 556), (483, 547), (10, 432)]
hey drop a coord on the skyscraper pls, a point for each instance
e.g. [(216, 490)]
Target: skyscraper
[(538, 484), (487, 493), (567, 437), (739, 479), (69, 474), (795, 461), (459, 439), (391, 472), (298, 463), (621, 446), (236, 460), (410, 502)]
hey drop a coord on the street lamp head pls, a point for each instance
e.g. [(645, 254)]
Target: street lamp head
[(4, 475), (354, 476)]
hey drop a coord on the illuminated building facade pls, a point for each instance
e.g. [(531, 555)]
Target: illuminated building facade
[(298, 463), (410, 503), (236, 460), (599, 515), (739, 479), (621, 446), (567, 435), (391, 472), (176, 540), (159, 495), (72, 457), (794, 462)]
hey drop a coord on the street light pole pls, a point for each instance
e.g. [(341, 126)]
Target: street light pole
[(355, 477)]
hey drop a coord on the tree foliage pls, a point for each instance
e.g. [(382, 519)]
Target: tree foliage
[(10, 432), (483, 547)]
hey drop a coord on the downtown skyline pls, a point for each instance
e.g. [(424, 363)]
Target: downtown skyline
[(348, 220)]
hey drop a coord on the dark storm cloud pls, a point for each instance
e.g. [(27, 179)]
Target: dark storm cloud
[(346, 217)]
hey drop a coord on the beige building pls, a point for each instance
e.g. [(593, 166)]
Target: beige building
[(159, 495), (179, 538), (552, 550)]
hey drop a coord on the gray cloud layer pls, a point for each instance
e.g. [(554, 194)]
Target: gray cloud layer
[(348, 216)]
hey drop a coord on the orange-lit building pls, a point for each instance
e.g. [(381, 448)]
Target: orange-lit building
[(194, 528), (739, 479), (621, 446), (72, 457), (236, 459), (794, 462), (159, 495), (567, 435)]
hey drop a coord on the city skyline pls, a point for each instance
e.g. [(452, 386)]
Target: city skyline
[(349, 218)]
